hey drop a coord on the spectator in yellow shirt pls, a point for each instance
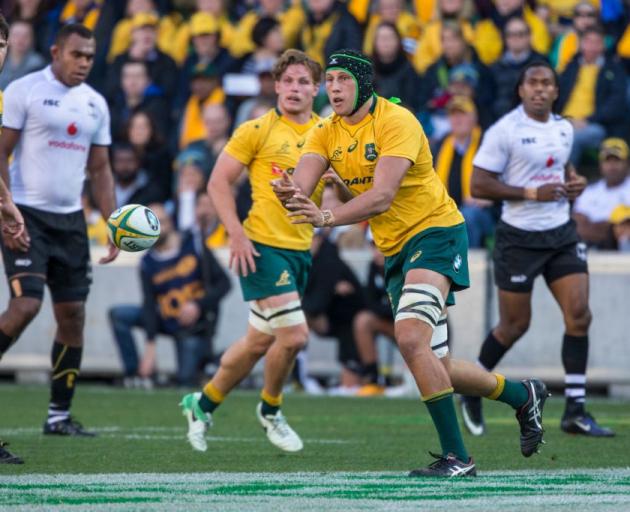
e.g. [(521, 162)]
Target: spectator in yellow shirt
[(567, 45), (393, 11)]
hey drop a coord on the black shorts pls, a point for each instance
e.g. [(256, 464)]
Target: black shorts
[(520, 256), (59, 255)]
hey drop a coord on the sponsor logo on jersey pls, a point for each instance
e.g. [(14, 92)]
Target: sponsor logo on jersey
[(370, 152), (62, 144), (415, 256), (337, 154), (72, 129), (528, 140), (353, 146), (51, 103), (285, 149), (359, 181), (284, 279), (276, 170), (23, 262), (520, 278), (301, 144)]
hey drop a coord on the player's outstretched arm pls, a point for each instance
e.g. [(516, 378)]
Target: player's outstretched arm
[(102, 184), (388, 176), (308, 172), (224, 174), (487, 185)]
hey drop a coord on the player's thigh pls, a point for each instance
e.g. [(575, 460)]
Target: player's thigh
[(26, 270), (69, 267)]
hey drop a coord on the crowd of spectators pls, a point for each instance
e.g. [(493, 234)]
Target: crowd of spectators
[(180, 75)]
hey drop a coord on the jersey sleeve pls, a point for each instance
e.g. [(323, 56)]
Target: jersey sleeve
[(243, 145), (315, 141), (400, 136), (102, 136), (493, 154), (15, 100)]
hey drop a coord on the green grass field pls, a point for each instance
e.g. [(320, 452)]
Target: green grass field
[(356, 455)]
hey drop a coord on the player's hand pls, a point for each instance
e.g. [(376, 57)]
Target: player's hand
[(304, 211), (189, 313), (112, 254), (284, 188), (575, 184), (551, 192), (242, 254), (13, 228)]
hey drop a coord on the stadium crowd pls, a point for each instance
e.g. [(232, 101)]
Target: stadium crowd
[(180, 75)]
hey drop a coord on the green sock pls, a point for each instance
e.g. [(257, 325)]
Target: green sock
[(442, 410), (510, 392), (207, 405), (267, 409)]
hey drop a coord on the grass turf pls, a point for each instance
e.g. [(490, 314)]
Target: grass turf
[(145, 432)]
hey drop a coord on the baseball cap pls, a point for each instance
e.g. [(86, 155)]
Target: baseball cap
[(203, 23), (461, 104), (614, 146), (144, 19), (620, 213), (464, 73)]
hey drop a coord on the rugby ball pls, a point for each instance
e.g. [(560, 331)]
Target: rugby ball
[(133, 227)]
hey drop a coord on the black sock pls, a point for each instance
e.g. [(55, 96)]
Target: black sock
[(574, 360), (370, 372), (66, 362), (491, 352), (5, 342)]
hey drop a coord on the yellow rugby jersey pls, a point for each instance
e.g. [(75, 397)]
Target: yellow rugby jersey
[(267, 146), (353, 151)]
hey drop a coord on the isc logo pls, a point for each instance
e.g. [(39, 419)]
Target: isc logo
[(51, 103)]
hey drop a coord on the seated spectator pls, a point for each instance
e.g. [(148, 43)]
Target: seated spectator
[(376, 319), (329, 27), (593, 94), (191, 181), (182, 286), (205, 49), (332, 298), (393, 12), (268, 45), (593, 208), (488, 41), (290, 20), (565, 47), (161, 68), (457, 71), (620, 220), (217, 121), (453, 163), (517, 55), (22, 58), (121, 35), (205, 90), (215, 8), (429, 47), (131, 183), (394, 75), (154, 154), (137, 93)]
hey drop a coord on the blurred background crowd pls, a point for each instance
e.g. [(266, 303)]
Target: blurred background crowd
[(181, 75)]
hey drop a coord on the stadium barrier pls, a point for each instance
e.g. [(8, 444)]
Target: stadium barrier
[(538, 353)]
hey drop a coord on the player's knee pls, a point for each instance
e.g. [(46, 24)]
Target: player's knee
[(21, 312), (579, 318), (363, 321), (409, 339), (511, 331), (293, 338), (72, 318), (258, 343)]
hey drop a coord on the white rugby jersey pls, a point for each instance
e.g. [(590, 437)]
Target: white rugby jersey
[(528, 153), (58, 124), (598, 201)]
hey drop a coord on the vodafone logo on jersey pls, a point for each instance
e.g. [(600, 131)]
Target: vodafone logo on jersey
[(73, 129)]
